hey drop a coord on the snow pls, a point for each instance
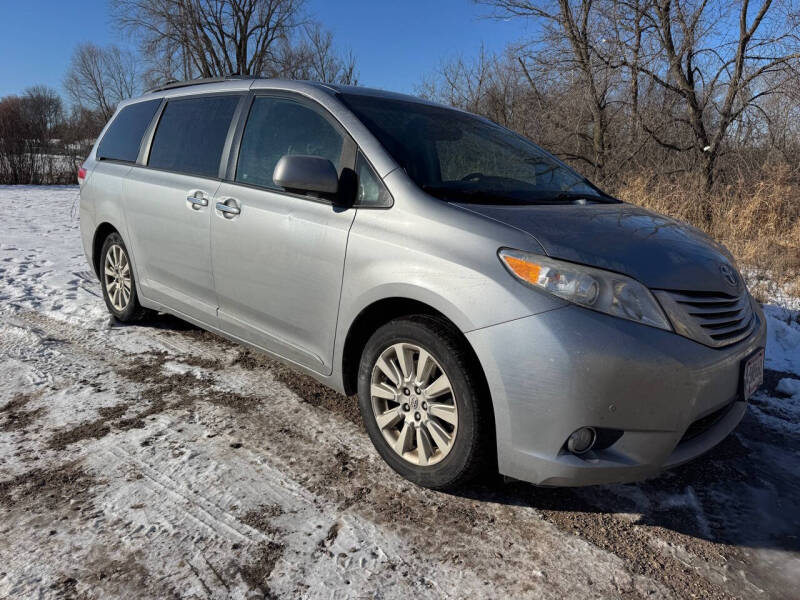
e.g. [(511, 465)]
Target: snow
[(790, 387), (783, 339), (185, 477)]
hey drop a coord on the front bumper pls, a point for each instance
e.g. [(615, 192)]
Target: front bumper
[(551, 373)]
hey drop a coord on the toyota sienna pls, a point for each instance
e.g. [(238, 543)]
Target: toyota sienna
[(492, 308)]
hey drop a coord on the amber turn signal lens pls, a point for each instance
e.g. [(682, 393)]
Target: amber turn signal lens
[(523, 269)]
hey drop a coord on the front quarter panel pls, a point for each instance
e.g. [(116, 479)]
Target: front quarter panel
[(437, 253)]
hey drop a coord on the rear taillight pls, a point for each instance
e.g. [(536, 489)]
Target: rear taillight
[(81, 176)]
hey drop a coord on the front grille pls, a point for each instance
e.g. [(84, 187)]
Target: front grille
[(703, 424), (712, 318)]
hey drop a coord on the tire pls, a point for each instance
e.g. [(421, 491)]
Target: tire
[(453, 449), (118, 283)]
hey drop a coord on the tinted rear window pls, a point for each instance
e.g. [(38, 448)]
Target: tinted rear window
[(124, 135), (191, 134)]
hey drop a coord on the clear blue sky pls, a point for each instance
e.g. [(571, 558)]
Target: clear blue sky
[(395, 42)]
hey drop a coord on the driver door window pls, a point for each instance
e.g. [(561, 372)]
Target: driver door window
[(277, 127)]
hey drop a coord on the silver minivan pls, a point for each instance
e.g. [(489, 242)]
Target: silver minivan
[(493, 310)]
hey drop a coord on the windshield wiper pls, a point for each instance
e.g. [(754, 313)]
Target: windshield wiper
[(576, 196), (471, 195), (521, 197)]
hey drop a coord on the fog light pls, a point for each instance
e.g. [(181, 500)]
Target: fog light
[(581, 440)]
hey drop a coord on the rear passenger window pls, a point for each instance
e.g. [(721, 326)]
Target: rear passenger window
[(276, 127), (191, 135), (124, 136)]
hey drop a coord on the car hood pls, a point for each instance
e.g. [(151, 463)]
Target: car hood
[(659, 251)]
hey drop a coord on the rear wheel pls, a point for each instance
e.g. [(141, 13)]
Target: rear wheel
[(422, 403), (118, 283)]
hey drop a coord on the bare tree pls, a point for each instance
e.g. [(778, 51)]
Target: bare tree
[(99, 78), (80, 129), (43, 111), (488, 84), (211, 38), (322, 61), (782, 116), (311, 55), (717, 60), (566, 47), (16, 165)]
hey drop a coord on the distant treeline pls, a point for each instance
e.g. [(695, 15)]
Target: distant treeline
[(39, 142)]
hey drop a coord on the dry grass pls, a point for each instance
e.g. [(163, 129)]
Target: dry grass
[(756, 217)]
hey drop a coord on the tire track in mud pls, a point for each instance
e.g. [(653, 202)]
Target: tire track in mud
[(307, 515), (200, 509), (153, 386)]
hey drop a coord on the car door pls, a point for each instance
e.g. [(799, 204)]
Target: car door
[(278, 257), (168, 203)]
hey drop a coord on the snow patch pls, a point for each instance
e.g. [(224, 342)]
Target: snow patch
[(783, 339), (790, 387)]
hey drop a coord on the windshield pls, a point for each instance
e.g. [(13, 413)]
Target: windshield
[(460, 157)]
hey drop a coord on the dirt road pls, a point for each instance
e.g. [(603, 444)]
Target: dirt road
[(161, 461)]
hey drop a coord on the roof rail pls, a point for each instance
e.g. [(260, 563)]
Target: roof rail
[(199, 81)]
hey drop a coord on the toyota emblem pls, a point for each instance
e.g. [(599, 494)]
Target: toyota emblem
[(729, 274)]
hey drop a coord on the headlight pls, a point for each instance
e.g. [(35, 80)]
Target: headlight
[(604, 291)]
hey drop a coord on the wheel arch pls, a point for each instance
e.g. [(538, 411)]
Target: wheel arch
[(380, 312), (100, 234)]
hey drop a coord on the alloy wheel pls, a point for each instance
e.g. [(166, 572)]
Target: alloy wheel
[(414, 404), (117, 274)]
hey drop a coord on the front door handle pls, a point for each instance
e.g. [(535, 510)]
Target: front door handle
[(197, 199), (228, 210), (197, 202)]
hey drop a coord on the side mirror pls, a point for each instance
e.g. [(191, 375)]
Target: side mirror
[(306, 174)]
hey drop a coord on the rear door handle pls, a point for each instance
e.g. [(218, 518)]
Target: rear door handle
[(227, 210)]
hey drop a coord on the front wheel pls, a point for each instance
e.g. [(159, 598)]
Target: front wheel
[(423, 404)]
